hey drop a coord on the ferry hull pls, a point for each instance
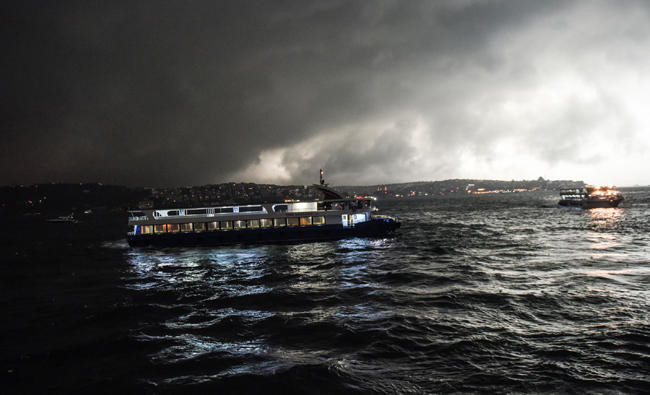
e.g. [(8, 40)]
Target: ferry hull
[(372, 228), (591, 203)]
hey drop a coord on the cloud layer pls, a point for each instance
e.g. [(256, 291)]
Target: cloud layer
[(176, 94)]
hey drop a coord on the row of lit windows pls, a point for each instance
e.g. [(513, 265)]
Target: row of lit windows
[(230, 225)]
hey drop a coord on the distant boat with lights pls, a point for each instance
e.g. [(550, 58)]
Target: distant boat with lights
[(591, 197), (332, 218), (68, 219)]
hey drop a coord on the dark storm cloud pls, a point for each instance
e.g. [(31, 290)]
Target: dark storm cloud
[(165, 93)]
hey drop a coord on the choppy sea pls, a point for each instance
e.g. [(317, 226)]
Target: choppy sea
[(506, 293)]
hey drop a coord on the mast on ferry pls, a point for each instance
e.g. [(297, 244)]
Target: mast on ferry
[(328, 193)]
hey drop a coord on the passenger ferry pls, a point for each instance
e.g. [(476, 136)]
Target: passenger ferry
[(332, 218), (591, 197)]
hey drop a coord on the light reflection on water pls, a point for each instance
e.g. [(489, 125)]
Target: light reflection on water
[(608, 215), (210, 276)]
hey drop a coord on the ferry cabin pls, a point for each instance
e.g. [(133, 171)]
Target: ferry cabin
[(276, 222), (573, 195)]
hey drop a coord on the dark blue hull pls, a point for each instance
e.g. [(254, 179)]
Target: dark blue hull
[(372, 228), (592, 203)]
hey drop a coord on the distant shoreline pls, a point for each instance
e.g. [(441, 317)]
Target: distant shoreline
[(66, 198)]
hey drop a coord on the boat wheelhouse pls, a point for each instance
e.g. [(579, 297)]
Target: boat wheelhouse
[(333, 218), (591, 197)]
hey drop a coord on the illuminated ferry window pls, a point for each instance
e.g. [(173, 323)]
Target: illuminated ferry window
[(173, 228), (199, 227), (159, 228), (147, 229), (318, 221), (226, 225), (266, 222), (279, 222), (213, 225), (253, 223), (186, 227), (356, 218), (293, 221), (240, 224), (304, 221)]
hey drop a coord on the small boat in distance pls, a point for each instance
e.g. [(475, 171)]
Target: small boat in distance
[(591, 197), (64, 219), (332, 218)]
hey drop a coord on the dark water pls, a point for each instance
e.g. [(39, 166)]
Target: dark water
[(498, 293)]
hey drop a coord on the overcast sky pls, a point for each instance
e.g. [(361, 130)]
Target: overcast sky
[(185, 93)]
